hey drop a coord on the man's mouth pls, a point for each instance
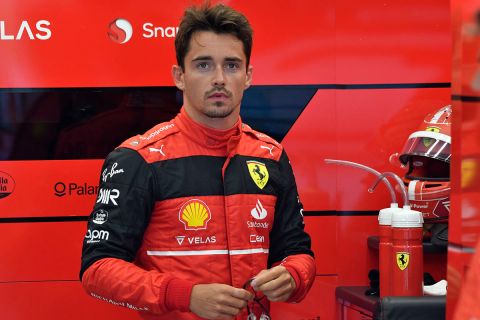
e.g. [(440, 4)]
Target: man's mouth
[(218, 95)]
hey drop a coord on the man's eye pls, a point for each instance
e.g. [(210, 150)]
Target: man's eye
[(232, 66), (202, 65)]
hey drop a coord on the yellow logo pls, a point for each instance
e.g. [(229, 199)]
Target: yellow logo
[(427, 142), (258, 172), (403, 258), (194, 214)]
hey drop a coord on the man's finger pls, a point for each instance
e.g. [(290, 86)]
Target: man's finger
[(274, 284), (241, 294), (265, 276)]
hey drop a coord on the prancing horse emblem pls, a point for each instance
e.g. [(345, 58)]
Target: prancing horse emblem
[(259, 173), (403, 258)]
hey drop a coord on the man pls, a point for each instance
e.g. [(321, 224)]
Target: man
[(200, 216)]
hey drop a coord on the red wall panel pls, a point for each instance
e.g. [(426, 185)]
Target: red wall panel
[(41, 251), (465, 171), (392, 41), (342, 43), (51, 188), (55, 300)]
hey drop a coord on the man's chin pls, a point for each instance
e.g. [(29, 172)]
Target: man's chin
[(221, 111)]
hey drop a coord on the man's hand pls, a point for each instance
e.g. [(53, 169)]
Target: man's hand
[(218, 301), (275, 283)]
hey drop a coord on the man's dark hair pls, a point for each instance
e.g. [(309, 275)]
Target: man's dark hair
[(219, 19)]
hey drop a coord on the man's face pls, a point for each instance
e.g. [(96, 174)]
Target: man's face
[(214, 79)]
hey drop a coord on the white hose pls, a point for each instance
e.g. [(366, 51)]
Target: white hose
[(368, 169), (399, 182)]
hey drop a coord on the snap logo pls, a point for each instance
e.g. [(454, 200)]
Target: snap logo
[(258, 172), (259, 212), (100, 216), (7, 185), (120, 31), (194, 214)]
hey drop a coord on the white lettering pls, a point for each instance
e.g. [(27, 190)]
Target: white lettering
[(96, 236), (256, 238), (146, 27), (107, 195), (200, 240), (106, 175), (100, 216), (419, 206), (158, 32), (3, 30), (25, 30), (156, 132), (24, 26), (118, 303), (170, 32), (255, 224), (42, 27)]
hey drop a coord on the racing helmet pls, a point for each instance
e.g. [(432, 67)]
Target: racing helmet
[(427, 154)]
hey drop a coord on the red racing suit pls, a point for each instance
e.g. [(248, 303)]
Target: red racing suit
[(184, 205)]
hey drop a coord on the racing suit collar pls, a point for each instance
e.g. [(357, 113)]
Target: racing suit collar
[(209, 137)]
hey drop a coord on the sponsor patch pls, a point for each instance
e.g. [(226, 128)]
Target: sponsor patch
[(180, 239), (427, 142), (110, 173), (95, 236), (100, 216), (106, 196), (194, 214), (7, 185), (259, 212), (403, 258), (258, 172)]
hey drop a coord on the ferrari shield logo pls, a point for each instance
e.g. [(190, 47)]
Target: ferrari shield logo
[(427, 142), (403, 258), (259, 173)]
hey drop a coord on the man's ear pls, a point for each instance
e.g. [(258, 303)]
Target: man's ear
[(178, 77), (248, 80)]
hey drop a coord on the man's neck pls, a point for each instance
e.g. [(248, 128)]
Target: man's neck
[(213, 123)]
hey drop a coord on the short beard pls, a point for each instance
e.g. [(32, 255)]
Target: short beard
[(219, 113)]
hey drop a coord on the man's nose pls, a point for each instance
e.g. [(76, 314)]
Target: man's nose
[(219, 77)]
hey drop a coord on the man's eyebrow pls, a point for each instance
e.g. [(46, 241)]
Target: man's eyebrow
[(233, 59), (202, 58), (229, 59)]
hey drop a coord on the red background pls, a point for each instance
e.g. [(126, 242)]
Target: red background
[(381, 50)]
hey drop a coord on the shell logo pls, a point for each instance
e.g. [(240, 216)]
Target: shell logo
[(194, 214)]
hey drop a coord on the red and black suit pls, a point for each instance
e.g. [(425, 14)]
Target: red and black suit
[(183, 205)]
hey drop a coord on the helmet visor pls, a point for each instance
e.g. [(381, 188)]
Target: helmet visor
[(427, 169), (433, 145)]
